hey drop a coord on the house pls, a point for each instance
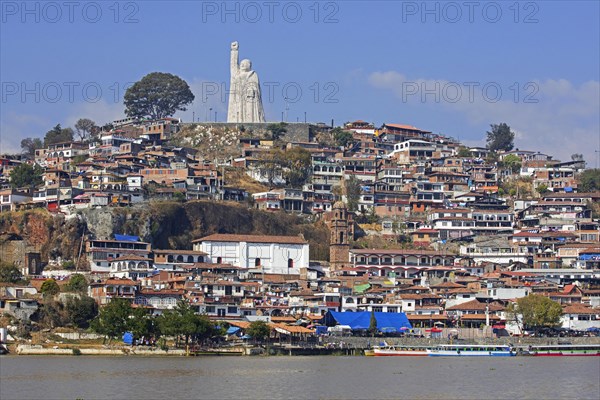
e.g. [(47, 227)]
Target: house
[(580, 317), (475, 313), (130, 266), (104, 291), (269, 254), (99, 252)]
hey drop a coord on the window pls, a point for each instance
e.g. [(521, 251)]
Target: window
[(257, 262), (232, 310), (290, 264), (219, 260), (377, 309)]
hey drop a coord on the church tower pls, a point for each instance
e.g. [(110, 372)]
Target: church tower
[(339, 246)]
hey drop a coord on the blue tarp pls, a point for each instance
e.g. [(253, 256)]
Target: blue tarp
[(233, 330), (127, 238), (128, 338), (362, 320)]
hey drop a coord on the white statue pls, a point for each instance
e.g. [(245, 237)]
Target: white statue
[(245, 101)]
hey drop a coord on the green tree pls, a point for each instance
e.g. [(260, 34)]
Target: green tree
[(259, 330), (183, 321), (9, 273), (539, 311), (298, 165), (85, 128), (81, 310), (464, 152), (58, 135), (589, 181), (113, 319), (352, 190), (25, 175), (52, 313), (342, 137), (141, 323), (30, 145), (157, 95), (277, 130), (373, 324), (500, 137), (512, 162), (77, 283), (50, 288), (542, 189)]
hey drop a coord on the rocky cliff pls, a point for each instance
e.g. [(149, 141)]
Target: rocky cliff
[(167, 225)]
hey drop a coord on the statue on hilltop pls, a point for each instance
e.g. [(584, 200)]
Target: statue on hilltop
[(245, 101)]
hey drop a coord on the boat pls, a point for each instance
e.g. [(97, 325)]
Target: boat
[(471, 350), (565, 350), (410, 351)]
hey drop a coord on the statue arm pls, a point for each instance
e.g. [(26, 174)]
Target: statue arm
[(234, 65)]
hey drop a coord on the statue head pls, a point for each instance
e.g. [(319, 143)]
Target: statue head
[(246, 65)]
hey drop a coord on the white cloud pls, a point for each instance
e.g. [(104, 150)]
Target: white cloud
[(15, 127), (101, 112), (564, 119)]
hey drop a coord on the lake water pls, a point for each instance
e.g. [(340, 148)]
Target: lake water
[(50, 377)]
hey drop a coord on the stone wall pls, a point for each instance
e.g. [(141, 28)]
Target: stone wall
[(296, 132)]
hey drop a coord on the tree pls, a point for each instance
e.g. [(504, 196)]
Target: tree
[(157, 95), (500, 137), (277, 130), (113, 319), (183, 321), (141, 323), (52, 313), (77, 283), (542, 189), (271, 164), (539, 311), (464, 152), (373, 324), (9, 273), (352, 190), (259, 330), (81, 310), (298, 165), (589, 180), (25, 175), (30, 145), (58, 135), (50, 288), (512, 162), (85, 127), (342, 137)]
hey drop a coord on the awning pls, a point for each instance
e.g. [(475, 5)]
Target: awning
[(362, 320)]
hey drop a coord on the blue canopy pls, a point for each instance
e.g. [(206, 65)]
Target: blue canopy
[(127, 238), (233, 330), (362, 320)]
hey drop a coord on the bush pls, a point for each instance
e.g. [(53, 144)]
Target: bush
[(76, 352)]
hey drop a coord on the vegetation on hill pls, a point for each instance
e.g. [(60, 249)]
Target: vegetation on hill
[(165, 224)]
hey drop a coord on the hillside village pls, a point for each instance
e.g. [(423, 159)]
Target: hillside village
[(420, 224)]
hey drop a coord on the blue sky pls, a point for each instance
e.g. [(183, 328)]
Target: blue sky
[(448, 67)]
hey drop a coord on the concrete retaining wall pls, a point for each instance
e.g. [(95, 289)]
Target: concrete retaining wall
[(119, 351)]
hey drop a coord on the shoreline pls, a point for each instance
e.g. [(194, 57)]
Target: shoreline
[(274, 349)]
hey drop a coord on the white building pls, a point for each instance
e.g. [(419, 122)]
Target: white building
[(271, 254)]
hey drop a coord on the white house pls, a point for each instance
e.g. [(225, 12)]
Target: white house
[(580, 317), (271, 254)]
